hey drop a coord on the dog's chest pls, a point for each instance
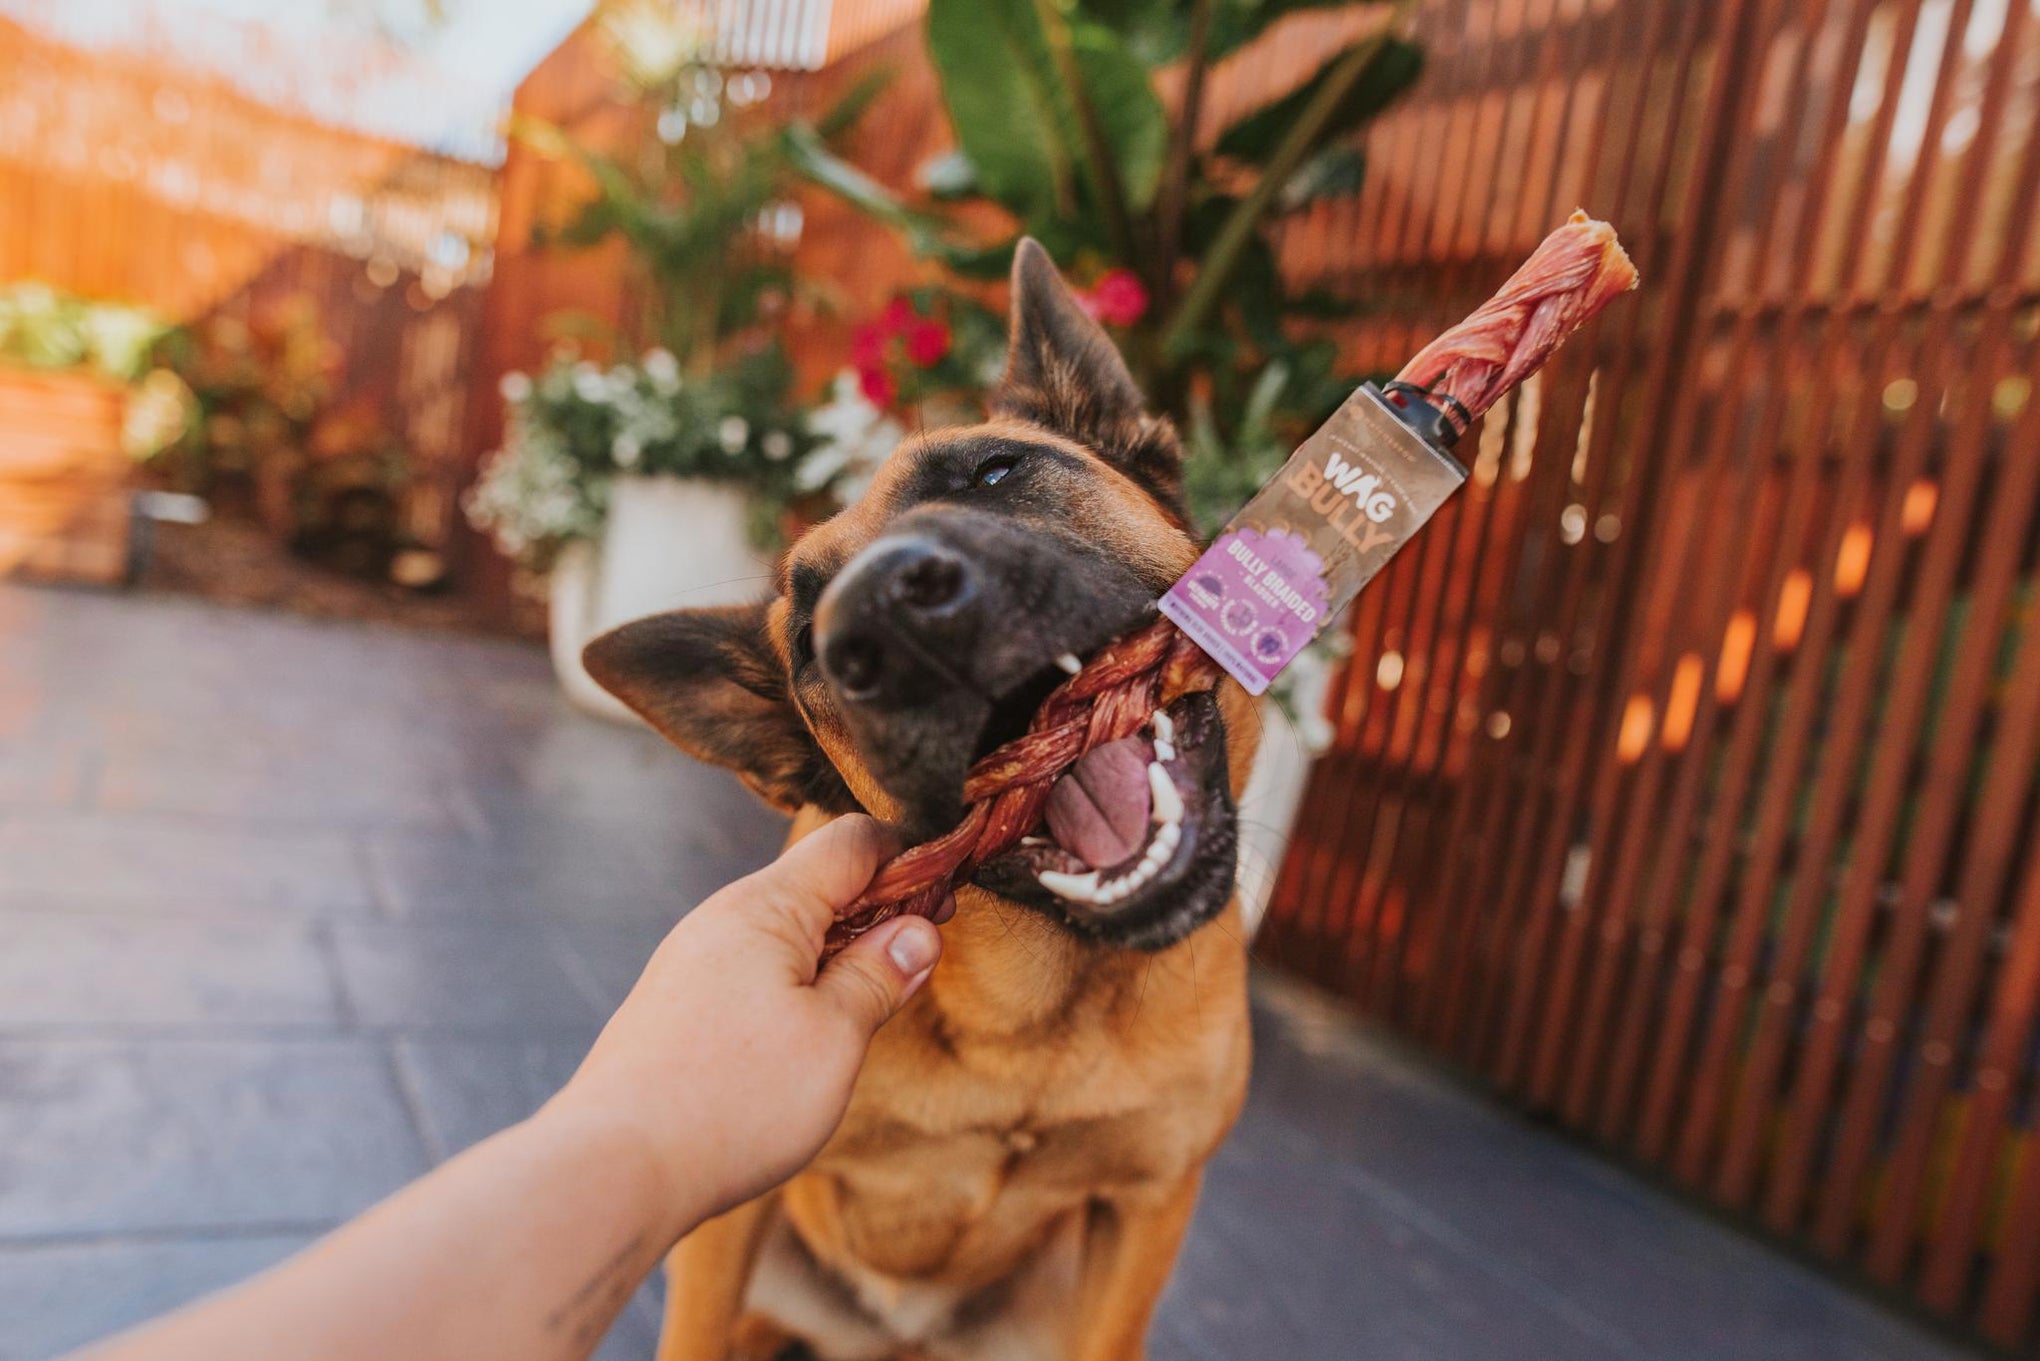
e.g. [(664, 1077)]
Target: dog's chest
[(954, 1163), (964, 1205)]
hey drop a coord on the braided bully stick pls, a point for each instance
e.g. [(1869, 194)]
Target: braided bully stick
[(1572, 275)]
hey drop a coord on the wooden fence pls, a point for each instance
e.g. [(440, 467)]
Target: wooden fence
[(1685, 777), (129, 178)]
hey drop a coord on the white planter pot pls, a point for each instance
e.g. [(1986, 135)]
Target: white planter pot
[(571, 602), (671, 543), (1274, 791)]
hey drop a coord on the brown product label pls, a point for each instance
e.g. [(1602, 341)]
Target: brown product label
[(1351, 496)]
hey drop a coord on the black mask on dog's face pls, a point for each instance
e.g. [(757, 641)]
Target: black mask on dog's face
[(921, 628)]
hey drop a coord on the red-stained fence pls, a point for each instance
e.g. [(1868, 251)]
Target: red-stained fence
[(1685, 776)]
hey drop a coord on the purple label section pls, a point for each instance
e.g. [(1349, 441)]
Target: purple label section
[(1253, 601)]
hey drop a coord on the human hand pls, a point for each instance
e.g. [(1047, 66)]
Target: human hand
[(733, 1057)]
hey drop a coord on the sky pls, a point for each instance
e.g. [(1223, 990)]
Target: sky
[(387, 67)]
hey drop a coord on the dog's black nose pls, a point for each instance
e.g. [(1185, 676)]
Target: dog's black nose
[(929, 579), (892, 625)]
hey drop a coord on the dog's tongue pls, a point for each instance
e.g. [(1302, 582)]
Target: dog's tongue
[(1099, 811)]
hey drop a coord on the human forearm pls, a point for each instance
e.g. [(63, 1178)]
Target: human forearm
[(726, 1068), (524, 1248)]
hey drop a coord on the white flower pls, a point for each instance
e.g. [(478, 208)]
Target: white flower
[(515, 386), (626, 450), (777, 444), (732, 433), (531, 496), (589, 384), (855, 437), (663, 369)]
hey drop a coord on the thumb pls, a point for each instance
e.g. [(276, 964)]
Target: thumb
[(879, 971)]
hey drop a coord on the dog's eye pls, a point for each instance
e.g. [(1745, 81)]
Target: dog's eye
[(992, 471)]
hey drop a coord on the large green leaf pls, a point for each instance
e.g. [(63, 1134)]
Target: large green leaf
[(820, 166), (988, 263), (1158, 31), (1130, 114), (846, 112), (930, 234), (1394, 69), (998, 80), (1336, 172), (948, 176)]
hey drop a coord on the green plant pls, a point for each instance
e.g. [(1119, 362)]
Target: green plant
[(259, 387), (702, 198), (1059, 122), (43, 328), (703, 202), (571, 432)]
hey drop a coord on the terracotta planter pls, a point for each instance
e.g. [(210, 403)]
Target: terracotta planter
[(671, 543), (65, 482)]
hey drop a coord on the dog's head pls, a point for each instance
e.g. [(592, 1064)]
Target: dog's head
[(922, 627)]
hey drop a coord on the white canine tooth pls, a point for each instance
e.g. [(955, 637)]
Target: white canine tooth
[(1082, 888), (1168, 803), (1165, 727), (1164, 749), (1068, 662), (1034, 841)]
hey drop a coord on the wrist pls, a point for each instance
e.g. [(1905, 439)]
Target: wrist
[(616, 1143)]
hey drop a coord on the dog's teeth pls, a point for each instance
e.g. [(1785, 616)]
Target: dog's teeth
[(1168, 803), (1034, 841), (1169, 837), (1082, 888), (1068, 662), (1164, 749), (1165, 727)]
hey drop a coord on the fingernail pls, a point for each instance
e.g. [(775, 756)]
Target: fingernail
[(914, 947)]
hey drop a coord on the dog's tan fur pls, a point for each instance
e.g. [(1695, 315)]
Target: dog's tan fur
[(1024, 1148)]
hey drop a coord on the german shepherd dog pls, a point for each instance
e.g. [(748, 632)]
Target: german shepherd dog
[(1024, 1147)]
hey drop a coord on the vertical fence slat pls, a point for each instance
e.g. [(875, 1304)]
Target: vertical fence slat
[(1747, 1095), (1713, 583), (2014, 1280), (1684, 985)]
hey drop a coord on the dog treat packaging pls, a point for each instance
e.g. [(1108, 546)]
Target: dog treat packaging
[(1365, 483), (1347, 499)]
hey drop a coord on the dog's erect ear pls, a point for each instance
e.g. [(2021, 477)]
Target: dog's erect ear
[(708, 680), (1063, 372)]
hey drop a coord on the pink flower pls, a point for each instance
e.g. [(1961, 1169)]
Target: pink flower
[(1118, 299), (897, 317), (878, 387), (927, 342), (867, 346)]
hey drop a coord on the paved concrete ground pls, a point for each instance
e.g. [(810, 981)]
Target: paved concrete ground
[(290, 912)]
